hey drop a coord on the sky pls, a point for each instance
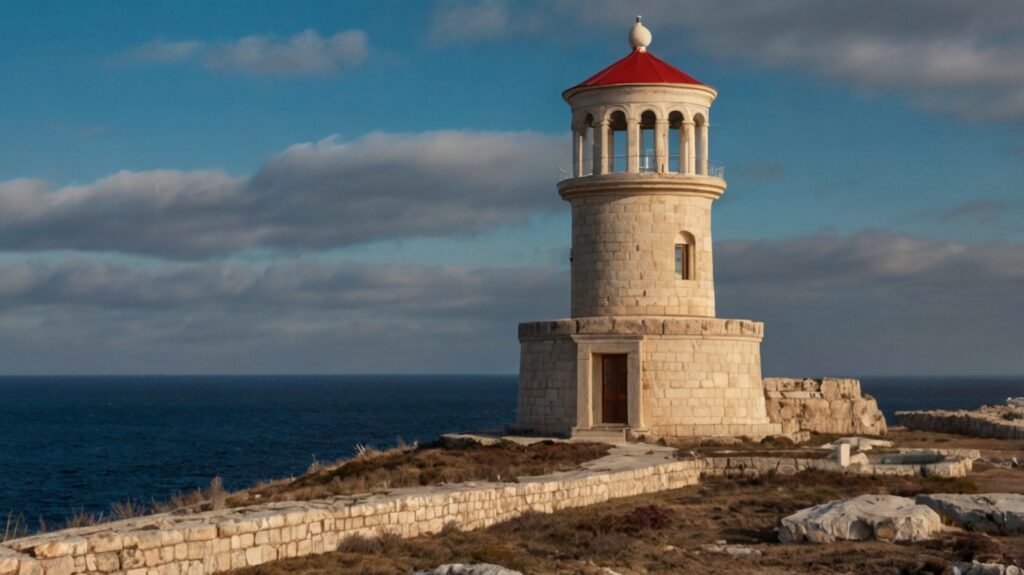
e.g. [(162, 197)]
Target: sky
[(342, 187)]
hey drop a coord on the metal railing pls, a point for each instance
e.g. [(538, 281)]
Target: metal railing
[(645, 164)]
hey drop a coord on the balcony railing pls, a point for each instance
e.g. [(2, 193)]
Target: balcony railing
[(646, 164)]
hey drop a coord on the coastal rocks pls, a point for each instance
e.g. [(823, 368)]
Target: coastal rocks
[(462, 569), (993, 513), (822, 405), (885, 517), (1001, 421)]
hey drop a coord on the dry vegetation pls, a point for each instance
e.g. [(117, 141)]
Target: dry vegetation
[(664, 532), (441, 462)]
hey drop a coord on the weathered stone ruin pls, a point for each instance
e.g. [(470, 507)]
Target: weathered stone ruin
[(826, 405)]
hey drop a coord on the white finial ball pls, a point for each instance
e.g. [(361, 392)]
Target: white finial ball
[(639, 36)]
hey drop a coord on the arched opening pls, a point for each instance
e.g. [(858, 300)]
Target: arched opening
[(676, 144), (648, 161), (618, 145), (686, 256), (701, 144)]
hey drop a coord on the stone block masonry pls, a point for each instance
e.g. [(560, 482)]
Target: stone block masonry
[(826, 405), (211, 542), (984, 422), (693, 376)]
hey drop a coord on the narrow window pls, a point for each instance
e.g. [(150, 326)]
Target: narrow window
[(684, 256), (683, 261)]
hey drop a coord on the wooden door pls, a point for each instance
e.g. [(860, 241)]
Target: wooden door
[(614, 374)]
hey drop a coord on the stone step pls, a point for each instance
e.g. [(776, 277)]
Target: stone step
[(602, 434)]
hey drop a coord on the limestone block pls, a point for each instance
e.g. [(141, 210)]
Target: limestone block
[(595, 325), (61, 547), (994, 513), (885, 517), (64, 565)]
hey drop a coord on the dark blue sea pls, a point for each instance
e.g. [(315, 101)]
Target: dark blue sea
[(71, 444)]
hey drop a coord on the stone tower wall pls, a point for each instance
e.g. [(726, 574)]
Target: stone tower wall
[(547, 385), (704, 386), (623, 255)]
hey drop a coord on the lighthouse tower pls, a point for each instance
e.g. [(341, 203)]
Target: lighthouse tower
[(643, 351)]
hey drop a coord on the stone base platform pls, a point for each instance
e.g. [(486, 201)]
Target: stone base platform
[(687, 376)]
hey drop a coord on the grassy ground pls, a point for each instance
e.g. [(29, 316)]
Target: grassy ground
[(437, 463), (664, 533)]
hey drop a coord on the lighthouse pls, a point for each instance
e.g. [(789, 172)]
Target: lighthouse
[(642, 352)]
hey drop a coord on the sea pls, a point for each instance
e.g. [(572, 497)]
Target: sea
[(79, 444)]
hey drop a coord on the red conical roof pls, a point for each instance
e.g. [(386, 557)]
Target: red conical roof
[(639, 67)]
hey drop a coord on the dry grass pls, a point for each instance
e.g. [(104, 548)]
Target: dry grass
[(442, 462), (664, 532), (14, 527)]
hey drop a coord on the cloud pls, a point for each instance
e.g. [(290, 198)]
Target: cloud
[(470, 21), (304, 54), (878, 303), (159, 51), (982, 211), (312, 196), (461, 21), (867, 303), (296, 317), (949, 56)]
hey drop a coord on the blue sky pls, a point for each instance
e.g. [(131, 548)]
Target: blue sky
[(218, 147)]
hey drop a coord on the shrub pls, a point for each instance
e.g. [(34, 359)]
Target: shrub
[(649, 517)]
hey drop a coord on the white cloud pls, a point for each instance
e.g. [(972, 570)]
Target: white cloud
[(955, 56), (312, 196), (160, 51), (872, 302), (304, 54)]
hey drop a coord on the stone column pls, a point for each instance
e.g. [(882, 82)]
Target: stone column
[(689, 159), (611, 149), (633, 146), (601, 148), (577, 152), (704, 148), (661, 145)]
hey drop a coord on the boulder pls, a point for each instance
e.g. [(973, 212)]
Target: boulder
[(995, 513), (859, 443), (463, 569), (884, 517), (976, 568)]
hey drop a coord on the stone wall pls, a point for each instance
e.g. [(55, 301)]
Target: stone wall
[(698, 376), (979, 423), (547, 385), (823, 406), (623, 259), (704, 386), (212, 542)]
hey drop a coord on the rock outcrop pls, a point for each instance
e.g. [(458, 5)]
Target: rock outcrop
[(885, 517), (1000, 421), (993, 513), (822, 405)]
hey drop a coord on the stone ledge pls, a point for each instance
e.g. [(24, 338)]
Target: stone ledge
[(643, 325), (972, 423), (216, 541)]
